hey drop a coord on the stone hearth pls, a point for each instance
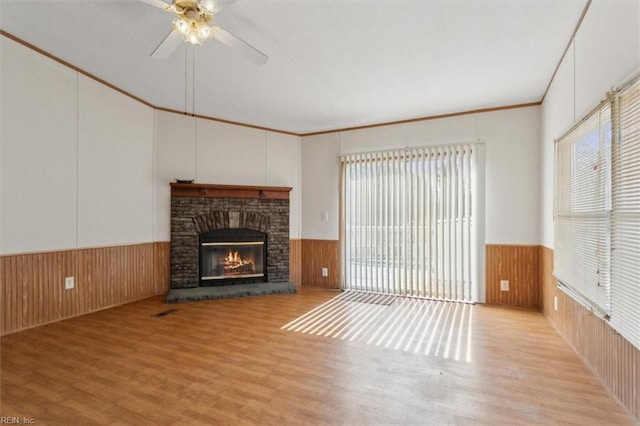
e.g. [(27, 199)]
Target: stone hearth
[(200, 208)]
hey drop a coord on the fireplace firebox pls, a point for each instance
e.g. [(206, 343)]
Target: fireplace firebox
[(233, 256)]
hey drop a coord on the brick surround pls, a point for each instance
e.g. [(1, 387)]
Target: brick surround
[(206, 207)]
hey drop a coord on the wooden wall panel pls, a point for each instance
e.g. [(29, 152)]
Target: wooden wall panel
[(610, 356), (295, 261), (162, 267), (317, 254), (29, 298), (521, 266), (114, 275), (32, 285)]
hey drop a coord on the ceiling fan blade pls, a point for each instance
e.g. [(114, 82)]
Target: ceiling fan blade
[(216, 6), (157, 3), (168, 46), (225, 37)]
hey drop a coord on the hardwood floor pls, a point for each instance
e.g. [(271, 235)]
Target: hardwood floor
[(229, 362)]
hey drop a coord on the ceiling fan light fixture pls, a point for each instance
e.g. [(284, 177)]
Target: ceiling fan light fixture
[(194, 32), (191, 21), (181, 26), (203, 32)]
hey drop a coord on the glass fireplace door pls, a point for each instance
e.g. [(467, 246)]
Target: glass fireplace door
[(224, 260)]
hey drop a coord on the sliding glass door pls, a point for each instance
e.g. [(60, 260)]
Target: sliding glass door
[(408, 222)]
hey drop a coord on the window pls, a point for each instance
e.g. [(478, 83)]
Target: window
[(582, 209), (625, 232), (408, 224), (597, 211)]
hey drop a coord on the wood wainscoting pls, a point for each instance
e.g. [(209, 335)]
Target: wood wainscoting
[(613, 359), (318, 254), (32, 285), (295, 261), (162, 266), (518, 264)]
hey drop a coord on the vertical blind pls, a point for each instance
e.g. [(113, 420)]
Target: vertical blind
[(582, 208), (407, 222), (625, 233)]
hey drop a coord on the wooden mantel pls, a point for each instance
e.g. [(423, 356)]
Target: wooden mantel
[(229, 191)]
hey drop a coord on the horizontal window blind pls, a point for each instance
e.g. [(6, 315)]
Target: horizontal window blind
[(625, 236), (407, 222), (582, 209)]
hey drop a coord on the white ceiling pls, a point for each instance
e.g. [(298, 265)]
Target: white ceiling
[(332, 64)]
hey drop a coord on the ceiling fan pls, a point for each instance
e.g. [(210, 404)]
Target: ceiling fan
[(192, 25)]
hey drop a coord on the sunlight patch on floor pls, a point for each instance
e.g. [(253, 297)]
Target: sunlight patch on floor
[(420, 326)]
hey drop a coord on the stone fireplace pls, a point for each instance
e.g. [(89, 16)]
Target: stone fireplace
[(227, 234)]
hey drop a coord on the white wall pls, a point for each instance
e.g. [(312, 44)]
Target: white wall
[(606, 51), (175, 154), (283, 169), (511, 168), (39, 145), (77, 159), (86, 166), (219, 153), (46, 186), (115, 167), (512, 173), (320, 180)]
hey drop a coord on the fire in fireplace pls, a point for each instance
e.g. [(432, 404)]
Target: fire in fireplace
[(232, 256), (235, 264)]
